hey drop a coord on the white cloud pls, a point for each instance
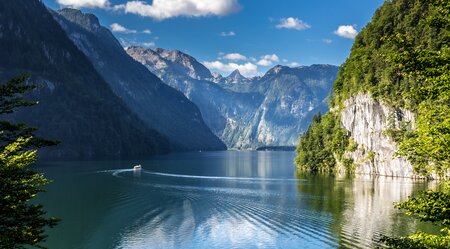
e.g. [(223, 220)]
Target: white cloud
[(293, 64), (233, 57), (327, 41), (115, 27), (149, 44), (346, 31), (264, 63), (163, 9), (293, 23), (84, 3), (118, 28), (248, 69), (270, 57), (229, 33)]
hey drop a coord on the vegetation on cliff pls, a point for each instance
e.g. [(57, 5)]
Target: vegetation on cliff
[(402, 57), (319, 147)]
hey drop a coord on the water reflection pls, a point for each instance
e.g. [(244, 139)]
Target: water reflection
[(362, 206), (219, 200)]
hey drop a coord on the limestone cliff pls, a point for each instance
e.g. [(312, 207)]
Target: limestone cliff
[(380, 97), (366, 121)]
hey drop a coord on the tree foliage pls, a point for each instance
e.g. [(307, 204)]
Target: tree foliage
[(321, 144), (427, 206), (402, 57), (11, 98), (427, 146), (21, 222)]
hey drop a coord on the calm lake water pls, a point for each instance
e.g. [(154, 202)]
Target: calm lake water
[(219, 200)]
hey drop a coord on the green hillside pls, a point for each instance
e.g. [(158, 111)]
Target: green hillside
[(401, 58)]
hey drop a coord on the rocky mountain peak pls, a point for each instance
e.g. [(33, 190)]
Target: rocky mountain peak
[(217, 75), (147, 56), (276, 70), (85, 20), (236, 77), (235, 74), (184, 63)]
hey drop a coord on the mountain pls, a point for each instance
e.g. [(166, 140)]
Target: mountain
[(184, 64), (156, 104), (76, 106), (232, 81), (249, 113), (236, 78), (390, 101), (227, 113), (216, 77), (292, 96)]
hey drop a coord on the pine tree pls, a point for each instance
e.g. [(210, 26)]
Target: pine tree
[(21, 222)]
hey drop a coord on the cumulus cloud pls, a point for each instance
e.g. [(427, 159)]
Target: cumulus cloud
[(84, 3), (115, 27), (293, 64), (118, 28), (248, 69), (267, 60), (293, 23), (229, 33), (163, 9), (233, 57), (346, 31), (271, 57), (264, 62)]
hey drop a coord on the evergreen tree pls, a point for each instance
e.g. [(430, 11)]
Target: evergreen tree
[(21, 222)]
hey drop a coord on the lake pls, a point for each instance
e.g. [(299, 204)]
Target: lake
[(229, 199)]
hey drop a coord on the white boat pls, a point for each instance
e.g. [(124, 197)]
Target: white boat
[(137, 167)]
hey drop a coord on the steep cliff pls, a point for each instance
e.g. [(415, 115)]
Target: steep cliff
[(367, 121), (377, 100)]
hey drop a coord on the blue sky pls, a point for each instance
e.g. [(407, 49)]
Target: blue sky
[(249, 35)]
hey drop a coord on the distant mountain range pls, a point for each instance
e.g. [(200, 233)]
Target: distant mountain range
[(272, 110), (102, 101), (94, 116), (156, 104)]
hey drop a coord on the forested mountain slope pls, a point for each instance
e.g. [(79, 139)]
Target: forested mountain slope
[(76, 106), (160, 107)]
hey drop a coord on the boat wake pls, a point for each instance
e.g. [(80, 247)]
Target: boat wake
[(118, 172)]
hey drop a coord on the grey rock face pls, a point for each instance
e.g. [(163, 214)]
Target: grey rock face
[(249, 113), (366, 119), (184, 64), (158, 105)]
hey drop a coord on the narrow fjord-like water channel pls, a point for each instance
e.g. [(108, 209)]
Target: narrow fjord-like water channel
[(229, 199)]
